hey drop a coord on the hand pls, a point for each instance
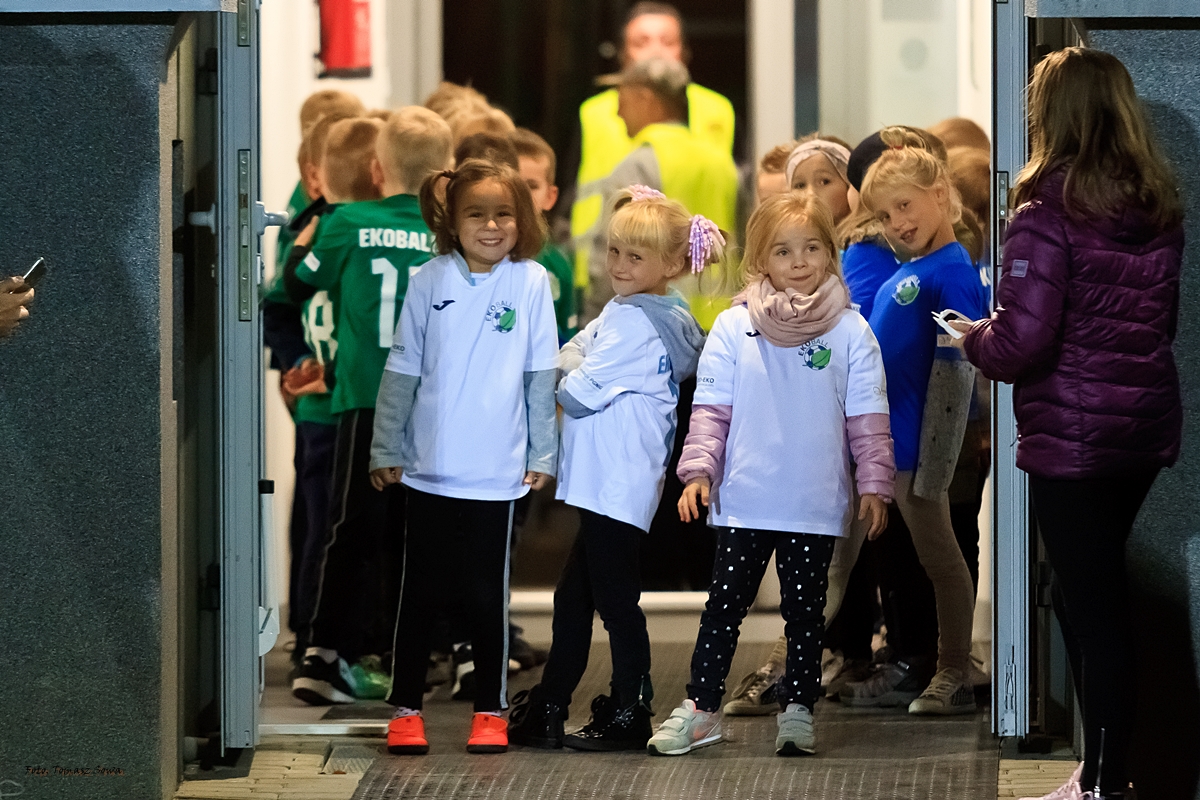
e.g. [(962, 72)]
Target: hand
[(537, 480), (289, 399), (305, 237), (386, 476), (962, 326), (872, 508), (307, 377), (14, 296), (697, 489)]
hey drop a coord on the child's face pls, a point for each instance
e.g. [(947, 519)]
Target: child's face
[(637, 270), (485, 223), (770, 184), (819, 177), (798, 259), (536, 174), (912, 217)]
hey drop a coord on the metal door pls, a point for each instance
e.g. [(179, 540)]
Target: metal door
[(249, 616), (1011, 516)]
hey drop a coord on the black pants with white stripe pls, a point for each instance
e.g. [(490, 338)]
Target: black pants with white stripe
[(461, 548), (354, 594)]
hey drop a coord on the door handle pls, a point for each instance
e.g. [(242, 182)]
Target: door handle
[(264, 219)]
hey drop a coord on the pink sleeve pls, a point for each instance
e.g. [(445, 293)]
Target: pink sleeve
[(871, 445), (704, 448)]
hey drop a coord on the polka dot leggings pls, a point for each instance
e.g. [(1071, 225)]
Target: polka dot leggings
[(802, 560)]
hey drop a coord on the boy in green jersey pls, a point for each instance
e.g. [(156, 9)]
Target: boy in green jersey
[(537, 163), (363, 257), (325, 103)]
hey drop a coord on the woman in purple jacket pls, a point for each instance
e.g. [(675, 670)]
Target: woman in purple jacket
[(1085, 317)]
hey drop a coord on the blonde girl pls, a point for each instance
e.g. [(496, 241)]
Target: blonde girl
[(790, 386), (465, 420)]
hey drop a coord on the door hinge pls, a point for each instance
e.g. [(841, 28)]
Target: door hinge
[(245, 9), (245, 239)]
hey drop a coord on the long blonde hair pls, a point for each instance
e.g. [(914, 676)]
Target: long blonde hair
[(794, 208), (1084, 114)]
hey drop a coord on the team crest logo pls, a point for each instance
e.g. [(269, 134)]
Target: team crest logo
[(816, 354), (907, 290), (502, 316)]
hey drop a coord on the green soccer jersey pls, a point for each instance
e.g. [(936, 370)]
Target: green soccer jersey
[(562, 288), (316, 317), (363, 259), (283, 245)]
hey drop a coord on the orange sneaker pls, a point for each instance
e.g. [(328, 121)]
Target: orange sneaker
[(489, 734), (406, 736)]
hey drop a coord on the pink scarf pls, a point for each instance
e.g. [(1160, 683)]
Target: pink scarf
[(788, 318)]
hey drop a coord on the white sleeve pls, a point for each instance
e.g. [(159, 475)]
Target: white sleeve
[(866, 385), (543, 328), (617, 361), (408, 345), (718, 361)]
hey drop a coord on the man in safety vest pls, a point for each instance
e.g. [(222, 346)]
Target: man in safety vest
[(652, 30), (669, 156)]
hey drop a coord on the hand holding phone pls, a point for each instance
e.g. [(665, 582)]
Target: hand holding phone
[(35, 273), (944, 318)]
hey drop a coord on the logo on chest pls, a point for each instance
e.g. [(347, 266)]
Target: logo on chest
[(502, 316), (816, 354), (907, 290)]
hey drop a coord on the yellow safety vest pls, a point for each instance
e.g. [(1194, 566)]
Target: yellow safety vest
[(705, 179), (605, 142)]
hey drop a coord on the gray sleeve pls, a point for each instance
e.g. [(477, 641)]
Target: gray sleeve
[(393, 407), (572, 407), (542, 455)]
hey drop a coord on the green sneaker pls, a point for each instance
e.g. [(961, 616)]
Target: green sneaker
[(685, 730), (370, 681), (795, 737)]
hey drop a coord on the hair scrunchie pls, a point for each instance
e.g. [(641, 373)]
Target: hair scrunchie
[(640, 192), (702, 239)]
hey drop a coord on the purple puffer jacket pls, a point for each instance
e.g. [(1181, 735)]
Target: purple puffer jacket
[(1085, 318)]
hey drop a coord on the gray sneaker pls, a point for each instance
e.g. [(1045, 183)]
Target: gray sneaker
[(686, 729), (948, 693), (890, 685), (795, 737)]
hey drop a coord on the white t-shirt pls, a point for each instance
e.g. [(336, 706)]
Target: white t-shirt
[(471, 347), (787, 459), (614, 462)]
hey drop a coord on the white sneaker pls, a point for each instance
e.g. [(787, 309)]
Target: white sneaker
[(1068, 791), (796, 735), (686, 729), (948, 693)]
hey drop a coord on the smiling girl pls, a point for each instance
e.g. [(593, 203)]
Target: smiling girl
[(619, 395), (465, 420), (790, 386), (910, 193)]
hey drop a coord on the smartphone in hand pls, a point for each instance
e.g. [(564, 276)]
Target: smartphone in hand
[(34, 273), (944, 318)]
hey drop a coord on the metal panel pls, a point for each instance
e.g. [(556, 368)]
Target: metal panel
[(1078, 9), (240, 377), (1010, 520), (114, 6)]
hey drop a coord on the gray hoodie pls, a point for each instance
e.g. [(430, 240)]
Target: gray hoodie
[(681, 335)]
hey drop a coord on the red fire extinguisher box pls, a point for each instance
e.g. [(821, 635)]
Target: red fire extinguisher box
[(345, 38)]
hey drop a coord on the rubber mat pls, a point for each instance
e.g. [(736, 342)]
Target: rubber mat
[(875, 755)]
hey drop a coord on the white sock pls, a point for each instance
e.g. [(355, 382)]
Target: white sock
[(327, 655), (491, 713), (401, 711)]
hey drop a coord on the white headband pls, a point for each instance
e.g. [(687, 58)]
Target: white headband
[(837, 155)]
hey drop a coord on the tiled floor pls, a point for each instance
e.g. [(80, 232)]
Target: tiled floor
[(1032, 778)]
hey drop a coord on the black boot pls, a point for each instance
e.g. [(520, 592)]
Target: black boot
[(535, 721), (613, 727)]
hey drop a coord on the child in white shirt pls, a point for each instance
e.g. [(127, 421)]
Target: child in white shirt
[(619, 395), (790, 386), (465, 420)]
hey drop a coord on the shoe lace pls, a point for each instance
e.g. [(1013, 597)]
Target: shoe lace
[(754, 684), (882, 679), (944, 684)]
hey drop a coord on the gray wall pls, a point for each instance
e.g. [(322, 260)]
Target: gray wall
[(83, 599), (1165, 549)]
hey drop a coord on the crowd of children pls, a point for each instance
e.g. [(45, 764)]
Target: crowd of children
[(423, 322)]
